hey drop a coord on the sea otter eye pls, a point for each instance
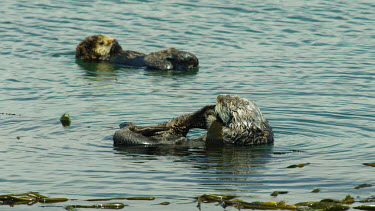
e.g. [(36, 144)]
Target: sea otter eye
[(101, 43)]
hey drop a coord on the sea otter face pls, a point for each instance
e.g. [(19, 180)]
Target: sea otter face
[(222, 109), (95, 47), (103, 45)]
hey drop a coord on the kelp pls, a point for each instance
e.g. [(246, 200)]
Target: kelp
[(271, 205), (31, 198), (316, 190), (227, 201), (369, 164), (65, 120), (28, 198), (97, 206), (275, 193), (287, 152), (127, 198), (362, 186), (298, 165), (365, 207), (324, 205)]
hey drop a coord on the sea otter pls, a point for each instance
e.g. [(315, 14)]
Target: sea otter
[(233, 120), (101, 48), (243, 123), (171, 132)]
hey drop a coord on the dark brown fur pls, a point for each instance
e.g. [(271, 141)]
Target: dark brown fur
[(178, 126), (233, 120), (169, 59)]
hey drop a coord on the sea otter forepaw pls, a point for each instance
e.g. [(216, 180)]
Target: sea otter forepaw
[(126, 124)]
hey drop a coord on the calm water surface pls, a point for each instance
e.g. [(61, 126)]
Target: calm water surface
[(309, 65)]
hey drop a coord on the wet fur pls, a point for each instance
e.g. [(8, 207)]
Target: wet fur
[(244, 124), (232, 120), (171, 132), (98, 48)]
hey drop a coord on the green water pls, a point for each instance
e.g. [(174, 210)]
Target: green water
[(308, 65)]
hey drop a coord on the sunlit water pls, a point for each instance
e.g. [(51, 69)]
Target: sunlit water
[(309, 66)]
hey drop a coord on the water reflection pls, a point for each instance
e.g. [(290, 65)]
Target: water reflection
[(191, 72), (235, 159), (108, 71), (222, 161), (160, 150), (98, 70)]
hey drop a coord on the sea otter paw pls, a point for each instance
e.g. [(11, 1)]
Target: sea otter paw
[(126, 124)]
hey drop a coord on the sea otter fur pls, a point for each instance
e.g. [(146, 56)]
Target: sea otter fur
[(233, 120), (243, 123), (171, 132), (99, 48)]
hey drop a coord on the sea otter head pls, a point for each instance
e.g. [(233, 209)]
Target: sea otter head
[(239, 112), (97, 48), (222, 109)]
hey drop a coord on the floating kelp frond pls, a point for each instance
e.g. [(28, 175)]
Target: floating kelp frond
[(97, 206), (127, 198), (209, 198), (325, 204), (298, 165), (272, 205), (365, 207), (28, 198), (275, 193), (65, 120), (141, 198), (316, 190), (362, 186), (328, 206), (369, 164), (348, 200), (287, 152), (227, 201)]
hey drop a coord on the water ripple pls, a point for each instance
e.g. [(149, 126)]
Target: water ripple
[(307, 64)]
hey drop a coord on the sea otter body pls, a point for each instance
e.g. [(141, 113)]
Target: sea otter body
[(101, 48), (172, 132), (233, 120), (243, 123)]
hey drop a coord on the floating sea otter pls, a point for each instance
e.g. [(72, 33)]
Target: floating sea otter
[(98, 48), (234, 120)]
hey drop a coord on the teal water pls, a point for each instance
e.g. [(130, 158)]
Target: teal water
[(308, 65)]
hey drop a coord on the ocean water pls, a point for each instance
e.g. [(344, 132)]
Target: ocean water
[(308, 65)]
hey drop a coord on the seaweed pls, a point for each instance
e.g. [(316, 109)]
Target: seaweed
[(227, 201), (369, 164), (65, 120), (298, 165), (97, 206), (325, 204), (365, 207), (275, 193), (28, 198), (127, 198), (362, 186)]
